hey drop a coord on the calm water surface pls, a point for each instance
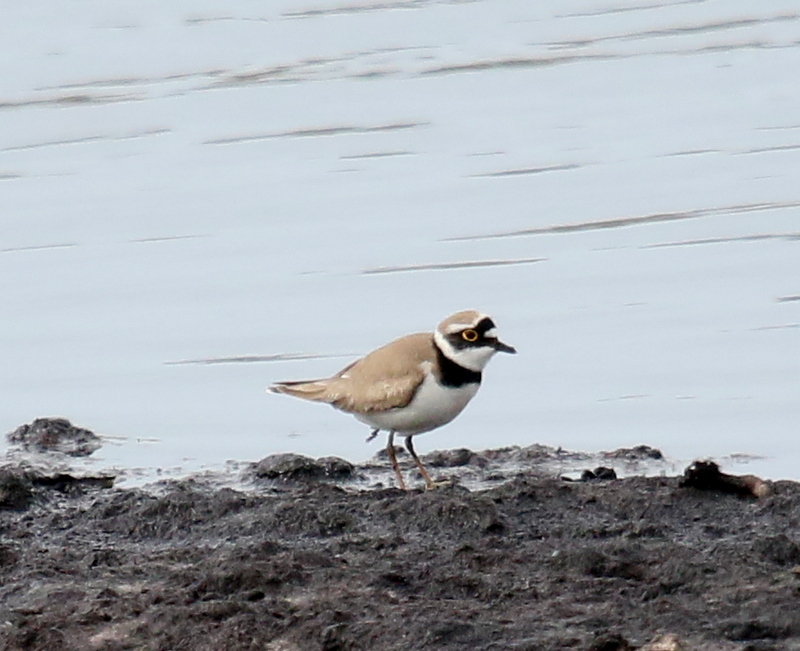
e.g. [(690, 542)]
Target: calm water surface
[(199, 199)]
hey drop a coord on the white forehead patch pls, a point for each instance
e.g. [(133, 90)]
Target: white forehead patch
[(491, 333), (458, 327)]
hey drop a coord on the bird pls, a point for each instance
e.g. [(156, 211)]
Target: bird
[(411, 385)]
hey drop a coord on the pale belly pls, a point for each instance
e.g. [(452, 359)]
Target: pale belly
[(432, 406)]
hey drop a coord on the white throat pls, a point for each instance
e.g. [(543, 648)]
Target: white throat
[(474, 359)]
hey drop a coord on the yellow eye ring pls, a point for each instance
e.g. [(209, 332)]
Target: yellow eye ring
[(469, 335)]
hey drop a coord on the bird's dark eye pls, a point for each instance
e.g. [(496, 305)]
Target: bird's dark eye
[(469, 335)]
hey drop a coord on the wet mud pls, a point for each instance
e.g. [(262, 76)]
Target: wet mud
[(303, 555)]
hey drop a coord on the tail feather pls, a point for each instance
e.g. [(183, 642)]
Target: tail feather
[(308, 390)]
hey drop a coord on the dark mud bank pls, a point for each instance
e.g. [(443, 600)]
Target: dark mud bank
[(534, 563)]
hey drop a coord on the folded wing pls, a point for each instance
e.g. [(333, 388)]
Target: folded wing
[(387, 378)]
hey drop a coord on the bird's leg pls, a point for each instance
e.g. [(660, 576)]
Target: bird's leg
[(373, 435), (429, 483), (393, 458)]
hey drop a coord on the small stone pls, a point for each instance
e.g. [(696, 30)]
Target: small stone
[(286, 466), (55, 435), (706, 475), (449, 458), (336, 467), (297, 467), (601, 473), (637, 453)]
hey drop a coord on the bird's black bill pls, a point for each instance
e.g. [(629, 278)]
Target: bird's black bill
[(504, 348)]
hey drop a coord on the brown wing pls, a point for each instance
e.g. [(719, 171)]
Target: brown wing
[(385, 379)]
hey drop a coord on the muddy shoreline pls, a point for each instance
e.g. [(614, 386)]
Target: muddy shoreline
[(313, 561)]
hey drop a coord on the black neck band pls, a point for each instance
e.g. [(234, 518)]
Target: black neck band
[(454, 375)]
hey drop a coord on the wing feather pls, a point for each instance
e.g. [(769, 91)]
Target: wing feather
[(385, 379)]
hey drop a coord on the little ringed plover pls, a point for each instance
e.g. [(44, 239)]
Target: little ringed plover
[(413, 384)]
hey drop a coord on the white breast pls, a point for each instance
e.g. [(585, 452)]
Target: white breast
[(433, 405)]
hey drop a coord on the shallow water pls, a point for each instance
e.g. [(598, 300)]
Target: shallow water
[(200, 199)]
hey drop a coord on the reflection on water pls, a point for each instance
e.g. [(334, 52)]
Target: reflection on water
[(450, 265), (248, 359), (315, 132), (645, 219)]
